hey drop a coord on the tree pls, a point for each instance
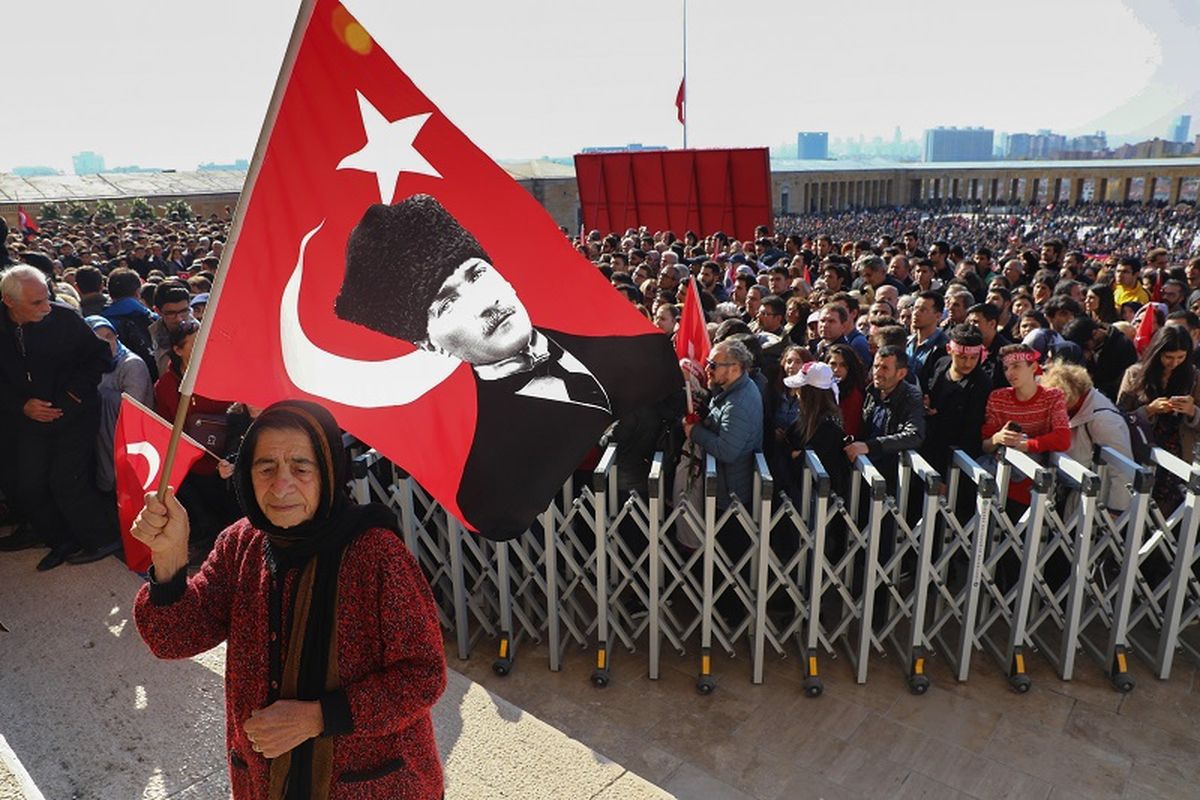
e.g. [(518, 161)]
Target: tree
[(77, 211), (179, 210), (49, 212), (141, 209), (106, 211)]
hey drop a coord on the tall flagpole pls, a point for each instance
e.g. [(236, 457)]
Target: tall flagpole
[(189, 376), (685, 89)]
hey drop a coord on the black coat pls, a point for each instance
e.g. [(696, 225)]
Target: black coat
[(61, 361), (956, 412), (525, 447), (1114, 356)]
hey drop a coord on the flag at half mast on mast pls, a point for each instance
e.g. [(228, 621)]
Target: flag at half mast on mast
[(385, 267)]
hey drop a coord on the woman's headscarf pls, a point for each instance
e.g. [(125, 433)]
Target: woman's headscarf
[(96, 321), (315, 549)]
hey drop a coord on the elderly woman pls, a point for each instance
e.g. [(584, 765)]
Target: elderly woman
[(1095, 421), (334, 653)]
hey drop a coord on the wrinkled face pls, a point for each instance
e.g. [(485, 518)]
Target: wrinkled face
[(32, 304), (476, 316), (956, 306), (287, 484)]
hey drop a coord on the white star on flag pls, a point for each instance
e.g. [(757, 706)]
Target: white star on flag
[(390, 148)]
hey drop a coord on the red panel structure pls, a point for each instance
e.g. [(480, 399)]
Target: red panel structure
[(678, 190)]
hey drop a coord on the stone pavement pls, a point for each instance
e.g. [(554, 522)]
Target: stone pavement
[(978, 739), (91, 715)]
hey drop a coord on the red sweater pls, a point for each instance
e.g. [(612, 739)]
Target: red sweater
[(390, 659), (1043, 418)]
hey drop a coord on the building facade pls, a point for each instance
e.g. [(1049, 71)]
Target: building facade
[(812, 145), (958, 144)]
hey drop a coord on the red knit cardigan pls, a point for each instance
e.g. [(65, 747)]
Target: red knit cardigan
[(390, 658)]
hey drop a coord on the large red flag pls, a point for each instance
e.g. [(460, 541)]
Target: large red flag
[(139, 447), (384, 266)]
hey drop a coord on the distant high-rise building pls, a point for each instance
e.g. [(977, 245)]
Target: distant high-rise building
[(1180, 128), (812, 145), (88, 163), (958, 144), (240, 165)]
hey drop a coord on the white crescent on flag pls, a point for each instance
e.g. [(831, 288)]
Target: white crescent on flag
[(150, 453), (362, 384)]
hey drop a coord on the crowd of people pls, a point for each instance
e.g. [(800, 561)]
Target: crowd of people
[(92, 311), (858, 333), (868, 334)]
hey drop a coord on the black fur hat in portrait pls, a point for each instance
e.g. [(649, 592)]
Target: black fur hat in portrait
[(397, 258)]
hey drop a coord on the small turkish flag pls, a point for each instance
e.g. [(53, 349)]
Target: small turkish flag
[(385, 267), (691, 338), (1147, 326), (26, 223), (139, 448), (681, 101)]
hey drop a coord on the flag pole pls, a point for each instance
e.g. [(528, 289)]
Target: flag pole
[(685, 108), (188, 384)]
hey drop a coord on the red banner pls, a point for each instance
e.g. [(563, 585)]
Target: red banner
[(385, 267), (139, 448), (678, 190)]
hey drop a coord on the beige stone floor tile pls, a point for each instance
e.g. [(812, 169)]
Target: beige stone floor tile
[(959, 720), (1061, 759)]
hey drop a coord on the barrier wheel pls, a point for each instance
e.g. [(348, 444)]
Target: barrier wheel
[(705, 685), (599, 678), (1123, 683), (813, 687), (918, 684), (1020, 683), (502, 666)]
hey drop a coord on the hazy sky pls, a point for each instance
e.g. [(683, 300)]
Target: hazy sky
[(171, 84)]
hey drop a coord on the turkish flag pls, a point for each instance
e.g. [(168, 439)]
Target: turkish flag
[(1147, 326), (302, 308), (681, 101), (26, 223), (691, 338), (139, 448)]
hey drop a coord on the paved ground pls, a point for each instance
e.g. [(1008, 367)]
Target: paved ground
[(91, 715), (972, 740)]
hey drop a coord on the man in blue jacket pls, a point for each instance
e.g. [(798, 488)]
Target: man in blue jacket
[(734, 426)]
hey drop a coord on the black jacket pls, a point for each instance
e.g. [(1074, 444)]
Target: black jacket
[(525, 447), (892, 424), (955, 417), (1115, 355), (59, 360)]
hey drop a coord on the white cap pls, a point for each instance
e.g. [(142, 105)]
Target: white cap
[(813, 373)]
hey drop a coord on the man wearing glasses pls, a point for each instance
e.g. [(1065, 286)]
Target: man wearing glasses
[(734, 425), (172, 301)]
